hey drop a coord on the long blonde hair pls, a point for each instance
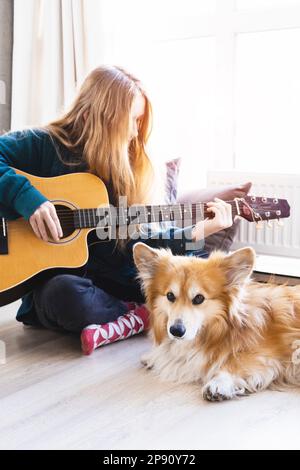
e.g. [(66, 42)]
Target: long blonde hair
[(97, 127)]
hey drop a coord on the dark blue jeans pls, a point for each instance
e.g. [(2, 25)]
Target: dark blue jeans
[(68, 302)]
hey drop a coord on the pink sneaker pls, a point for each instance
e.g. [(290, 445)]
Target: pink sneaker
[(132, 323)]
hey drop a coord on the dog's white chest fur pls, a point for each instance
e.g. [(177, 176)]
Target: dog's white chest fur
[(176, 361)]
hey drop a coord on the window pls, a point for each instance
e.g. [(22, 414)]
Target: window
[(267, 97), (223, 75)]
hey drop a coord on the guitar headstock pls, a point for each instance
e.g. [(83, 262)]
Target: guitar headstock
[(255, 209)]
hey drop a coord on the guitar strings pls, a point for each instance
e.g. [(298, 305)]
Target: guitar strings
[(70, 216), (67, 216), (70, 223), (155, 207)]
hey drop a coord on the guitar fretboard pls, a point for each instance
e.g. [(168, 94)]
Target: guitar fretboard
[(190, 213)]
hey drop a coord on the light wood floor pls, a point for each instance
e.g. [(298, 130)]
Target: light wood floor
[(52, 397)]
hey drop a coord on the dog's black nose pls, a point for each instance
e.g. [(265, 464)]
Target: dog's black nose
[(178, 329)]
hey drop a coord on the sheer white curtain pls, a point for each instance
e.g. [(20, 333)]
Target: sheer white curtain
[(51, 56)]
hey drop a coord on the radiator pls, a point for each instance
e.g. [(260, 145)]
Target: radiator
[(275, 240)]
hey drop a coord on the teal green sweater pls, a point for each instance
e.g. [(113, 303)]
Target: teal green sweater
[(34, 152)]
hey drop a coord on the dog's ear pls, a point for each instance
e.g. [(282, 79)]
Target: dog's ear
[(239, 265), (145, 259)]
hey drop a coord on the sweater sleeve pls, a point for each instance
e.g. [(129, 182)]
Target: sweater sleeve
[(17, 196), (179, 240)]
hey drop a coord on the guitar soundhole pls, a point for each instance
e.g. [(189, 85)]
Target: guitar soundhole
[(66, 218)]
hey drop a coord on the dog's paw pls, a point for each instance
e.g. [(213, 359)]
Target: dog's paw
[(210, 395), (147, 361), (222, 388)]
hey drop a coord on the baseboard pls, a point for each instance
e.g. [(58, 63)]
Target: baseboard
[(276, 279), (277, 269)]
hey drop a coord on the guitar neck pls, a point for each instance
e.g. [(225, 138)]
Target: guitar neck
[(139, 214)]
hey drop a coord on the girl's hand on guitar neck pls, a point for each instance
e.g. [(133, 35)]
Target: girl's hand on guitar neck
[(45, 217), (222, 219)]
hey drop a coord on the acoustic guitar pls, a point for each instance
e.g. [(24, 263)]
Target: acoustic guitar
[(82, 204)]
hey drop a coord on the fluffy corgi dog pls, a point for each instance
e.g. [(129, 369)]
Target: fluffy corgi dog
[(213, 325)]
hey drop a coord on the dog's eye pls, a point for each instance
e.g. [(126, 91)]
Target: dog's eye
[(198, 299), (171, 297)]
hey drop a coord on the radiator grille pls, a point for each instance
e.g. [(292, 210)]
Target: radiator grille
[(277, 240)]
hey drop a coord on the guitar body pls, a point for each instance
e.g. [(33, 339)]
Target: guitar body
[(29, 259)]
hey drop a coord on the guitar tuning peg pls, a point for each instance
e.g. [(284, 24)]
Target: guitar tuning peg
[(258, 226), (279, 222)]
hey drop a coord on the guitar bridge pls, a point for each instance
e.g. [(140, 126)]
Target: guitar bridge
[(3, 237)]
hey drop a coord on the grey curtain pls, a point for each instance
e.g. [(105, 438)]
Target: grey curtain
[(6, 48)]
